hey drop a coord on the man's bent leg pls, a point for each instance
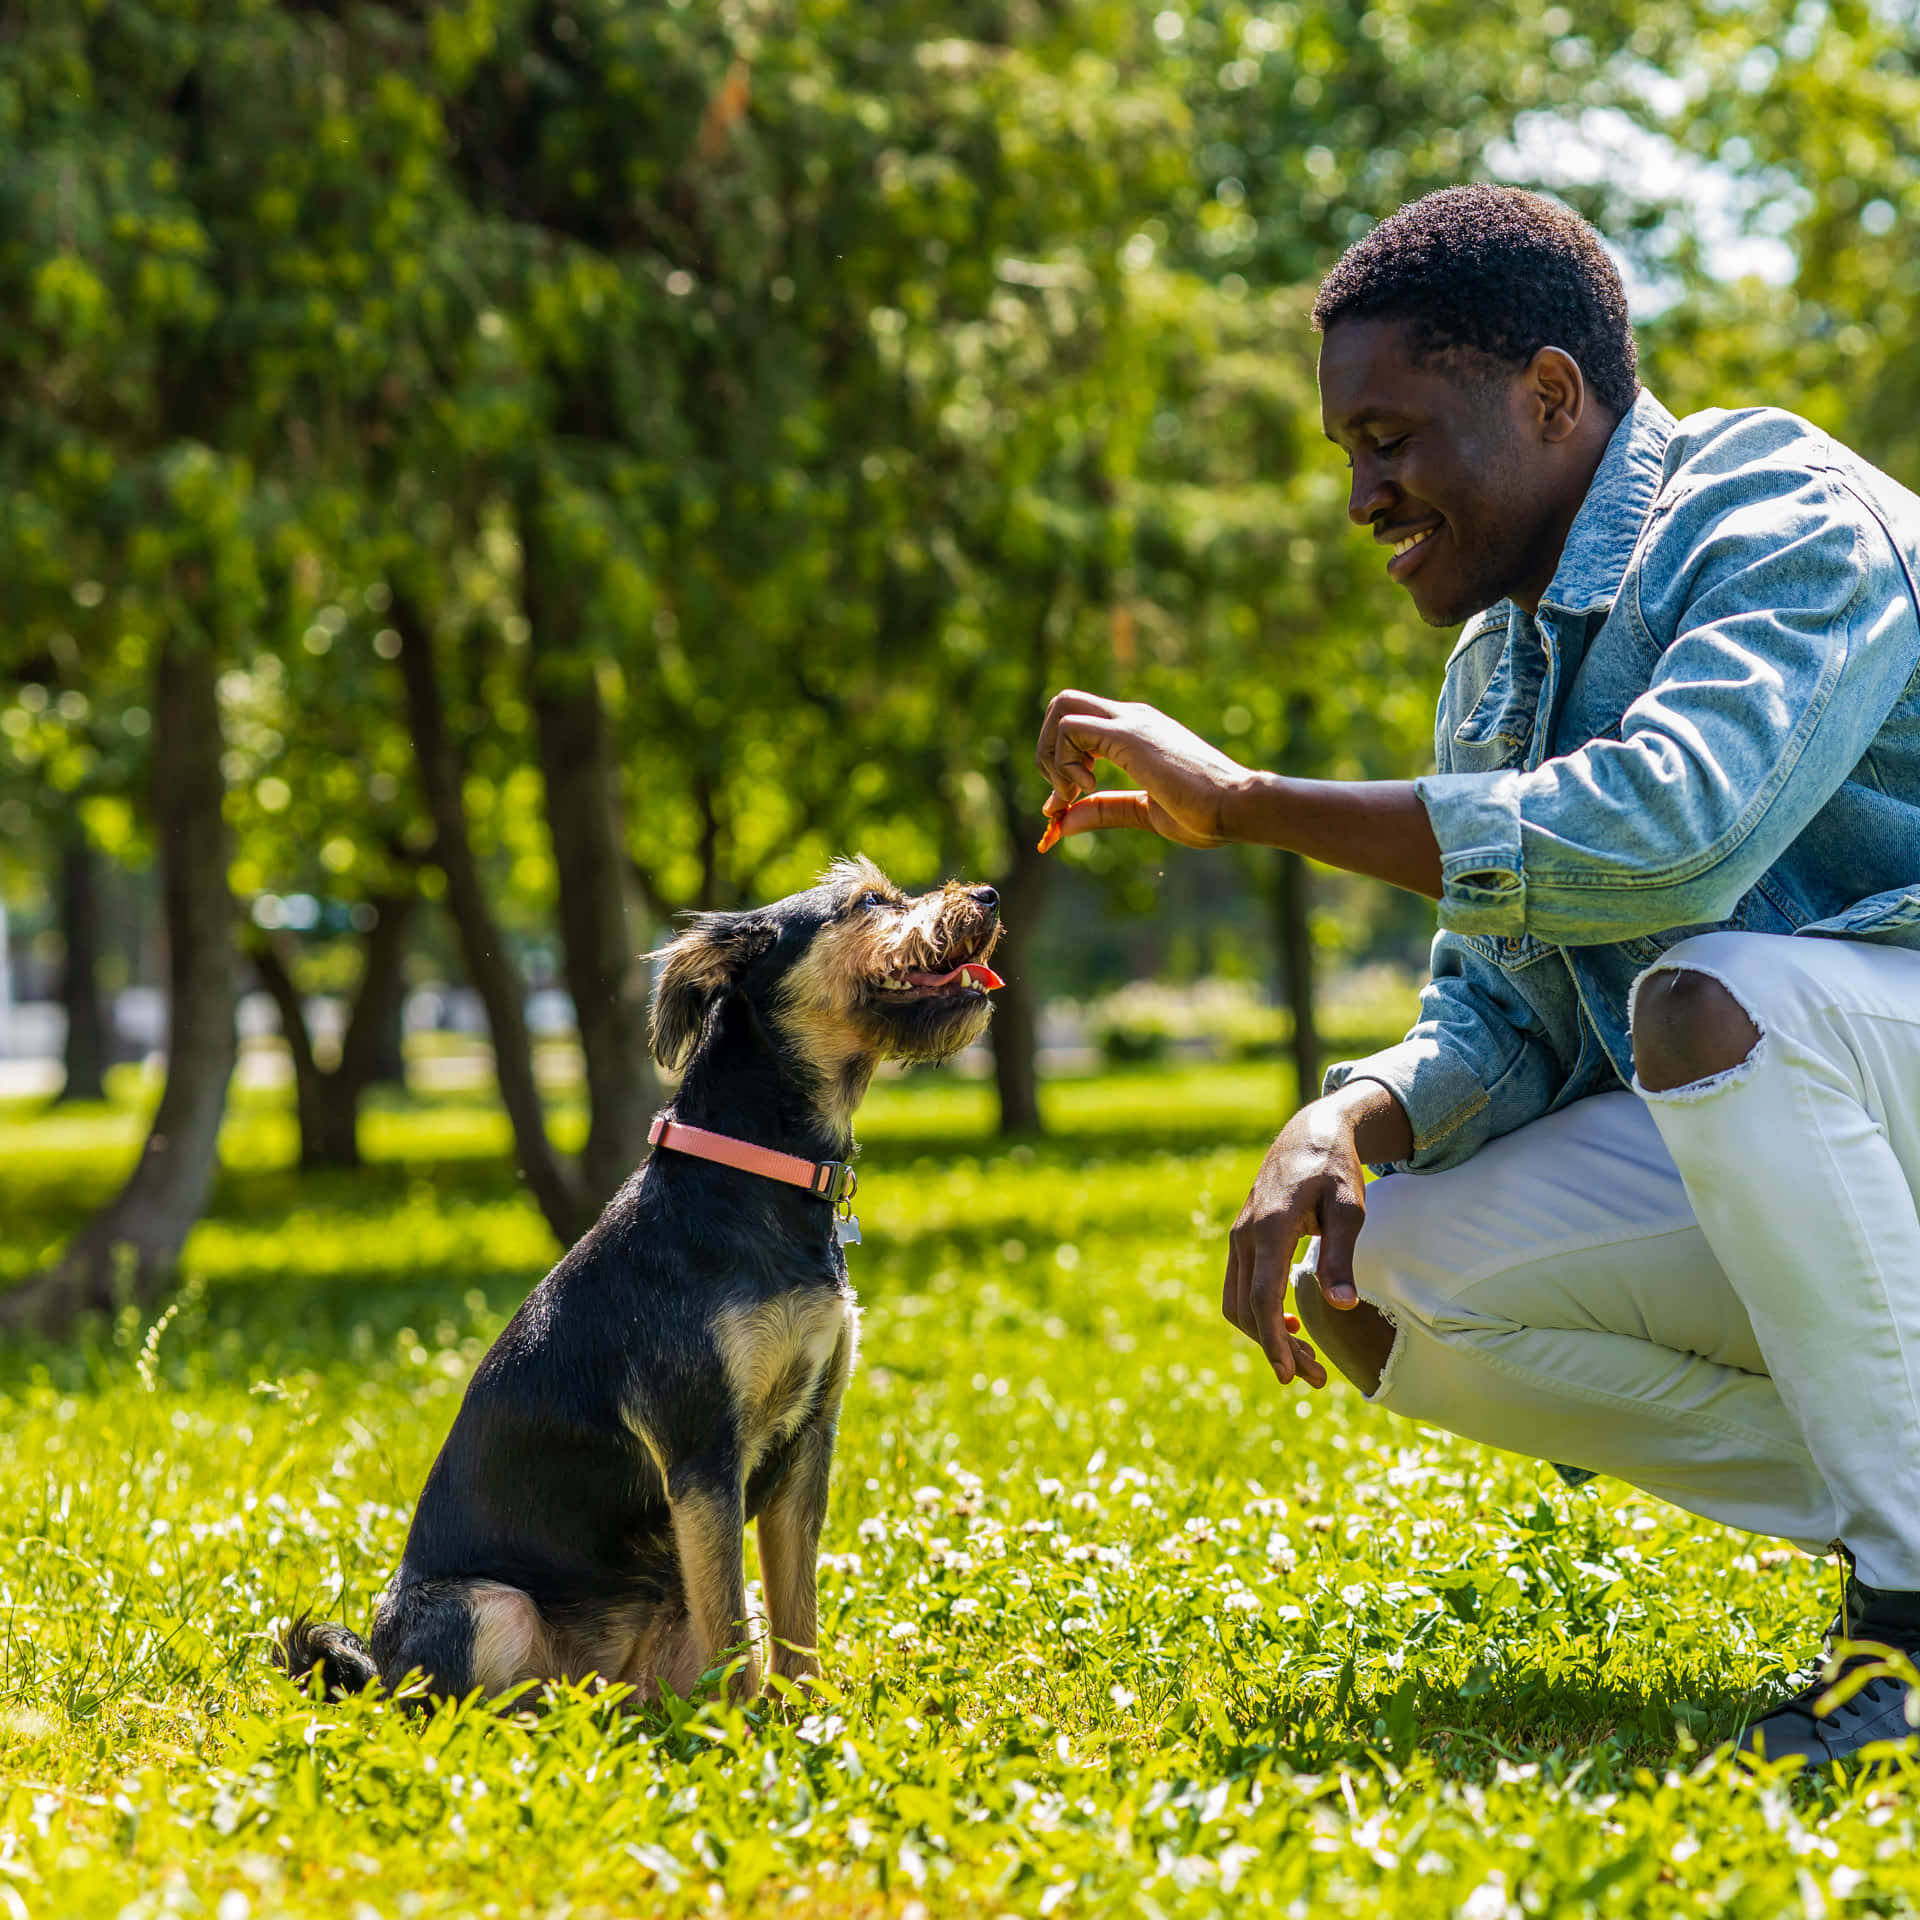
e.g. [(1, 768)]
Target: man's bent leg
[(1554, 1296), (1802, 1162)]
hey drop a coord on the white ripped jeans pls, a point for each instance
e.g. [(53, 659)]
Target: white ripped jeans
[(1714, 1292)]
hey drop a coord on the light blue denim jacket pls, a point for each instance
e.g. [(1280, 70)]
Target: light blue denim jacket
[(1712, 722)]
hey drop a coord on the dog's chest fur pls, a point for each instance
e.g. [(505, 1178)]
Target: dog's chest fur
[(778, 1354)]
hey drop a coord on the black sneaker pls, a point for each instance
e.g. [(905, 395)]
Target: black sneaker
[(1882, 1709)]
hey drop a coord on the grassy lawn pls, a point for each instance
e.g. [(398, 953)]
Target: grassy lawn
[(1114, 1624)]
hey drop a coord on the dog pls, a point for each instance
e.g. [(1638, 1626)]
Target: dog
[(680, 1372)]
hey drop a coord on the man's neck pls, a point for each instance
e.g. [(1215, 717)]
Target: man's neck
[(1581, 456)]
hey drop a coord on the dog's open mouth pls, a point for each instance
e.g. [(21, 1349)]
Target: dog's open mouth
[(970, 980)]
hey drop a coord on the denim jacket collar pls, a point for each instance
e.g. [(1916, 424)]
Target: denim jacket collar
[(1601, 540)]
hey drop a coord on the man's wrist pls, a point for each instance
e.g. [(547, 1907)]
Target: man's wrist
[(1253, 808), (1381, 1129)]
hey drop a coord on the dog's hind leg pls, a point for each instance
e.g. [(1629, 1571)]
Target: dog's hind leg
[(789, 1530), (461, 1634), (708, 1505)]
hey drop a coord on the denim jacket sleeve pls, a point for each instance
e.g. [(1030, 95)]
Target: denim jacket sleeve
[(1780, 628), (1485, 1056)]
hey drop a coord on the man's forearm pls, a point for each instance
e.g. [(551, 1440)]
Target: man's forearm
[(1375, 827)]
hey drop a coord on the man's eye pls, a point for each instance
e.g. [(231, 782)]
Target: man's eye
[(1389, 449)]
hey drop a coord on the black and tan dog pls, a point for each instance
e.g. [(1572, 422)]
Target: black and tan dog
[(679, 1373)]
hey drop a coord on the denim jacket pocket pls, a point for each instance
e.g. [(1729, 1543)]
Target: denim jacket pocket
[(1511, 953)]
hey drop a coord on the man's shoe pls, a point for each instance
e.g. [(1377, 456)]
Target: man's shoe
[(1881, 1710)]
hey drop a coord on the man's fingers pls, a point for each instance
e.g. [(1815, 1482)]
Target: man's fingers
[(1233, 1291), (1267, 1296), (1057, 758), (1341, 1217), (1080, 743), (1105, 810), (1287, 1353)]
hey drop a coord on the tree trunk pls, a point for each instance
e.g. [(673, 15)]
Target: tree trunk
[(269, 957), (556, 1189), (135, 1241), (86, 1048), (388, 1057), (370, 1052), (1016, 1012), (328, 1103), (605, 976), (1293, 936), (1023, 888)]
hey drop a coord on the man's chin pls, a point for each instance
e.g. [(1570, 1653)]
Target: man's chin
[(1441, 606), (1446, 613)]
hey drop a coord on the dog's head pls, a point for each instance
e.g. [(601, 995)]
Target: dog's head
[(849, 973)]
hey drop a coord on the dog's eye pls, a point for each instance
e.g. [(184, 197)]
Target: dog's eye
[(872, 900)]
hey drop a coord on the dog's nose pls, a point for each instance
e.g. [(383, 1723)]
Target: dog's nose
[(985, 896)]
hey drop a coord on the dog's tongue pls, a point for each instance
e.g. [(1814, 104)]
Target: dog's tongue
[(977, 971)]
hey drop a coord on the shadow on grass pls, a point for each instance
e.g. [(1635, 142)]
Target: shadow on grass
[(1608, 1724)]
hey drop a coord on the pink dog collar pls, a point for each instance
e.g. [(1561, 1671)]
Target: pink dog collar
[(831, 1180)]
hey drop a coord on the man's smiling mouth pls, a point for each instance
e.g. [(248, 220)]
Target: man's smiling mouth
[(1410, 550)]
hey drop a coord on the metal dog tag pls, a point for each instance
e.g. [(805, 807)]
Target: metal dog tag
[(846, 1230)]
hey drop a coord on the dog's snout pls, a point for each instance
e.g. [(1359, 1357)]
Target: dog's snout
[(984, 896)]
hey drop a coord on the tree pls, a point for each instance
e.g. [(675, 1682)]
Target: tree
[(168, 296)]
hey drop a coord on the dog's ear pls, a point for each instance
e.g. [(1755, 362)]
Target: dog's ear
[(693, 973)]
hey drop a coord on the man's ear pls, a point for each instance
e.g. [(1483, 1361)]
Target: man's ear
[(1557, 392), (694, 973)]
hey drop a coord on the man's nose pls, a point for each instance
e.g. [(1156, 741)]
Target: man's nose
[(1369, 495)]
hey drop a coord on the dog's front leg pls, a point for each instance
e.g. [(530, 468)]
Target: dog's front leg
[(708, 1506), (789, 1532)]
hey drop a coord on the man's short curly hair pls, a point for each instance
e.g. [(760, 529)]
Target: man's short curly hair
[(1497, 273)]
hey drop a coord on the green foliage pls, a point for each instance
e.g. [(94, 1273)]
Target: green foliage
[(1112, 1622)]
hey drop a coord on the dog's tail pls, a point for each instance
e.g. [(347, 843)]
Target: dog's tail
[(341, 1655)]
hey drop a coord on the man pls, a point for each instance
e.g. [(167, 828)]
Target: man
[(1655, 1137)]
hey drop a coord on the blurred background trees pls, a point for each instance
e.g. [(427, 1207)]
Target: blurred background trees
[(480, 478)]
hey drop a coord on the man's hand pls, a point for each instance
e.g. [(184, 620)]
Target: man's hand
[(1192, 793), (1313, 1181), (1185, 782)]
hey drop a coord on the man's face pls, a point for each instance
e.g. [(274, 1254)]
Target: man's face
[(1444, 471)]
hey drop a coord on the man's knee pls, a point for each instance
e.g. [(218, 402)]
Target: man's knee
[(1357, 1340), (1687, 1027)]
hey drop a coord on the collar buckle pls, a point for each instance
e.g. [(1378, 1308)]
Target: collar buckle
[(835, 1182)]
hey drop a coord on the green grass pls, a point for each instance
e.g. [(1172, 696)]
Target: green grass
[(1113, 1624)]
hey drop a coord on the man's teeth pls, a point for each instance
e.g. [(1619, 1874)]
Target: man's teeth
[(1412, 540)]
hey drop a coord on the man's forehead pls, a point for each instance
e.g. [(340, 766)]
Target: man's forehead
[(1368, 372), (1371, 375)]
